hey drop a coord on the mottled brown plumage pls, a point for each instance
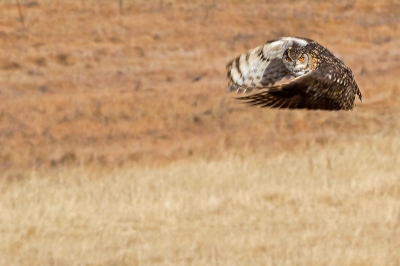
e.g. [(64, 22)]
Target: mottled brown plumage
[(321, 81)]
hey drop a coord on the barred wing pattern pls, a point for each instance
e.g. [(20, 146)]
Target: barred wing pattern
[(306, 92), (261, 66)]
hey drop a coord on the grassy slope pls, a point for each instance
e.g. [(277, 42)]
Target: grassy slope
[(101, 88), (336, 205)]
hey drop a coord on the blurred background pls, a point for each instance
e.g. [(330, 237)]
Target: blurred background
[(113, 83), (120, 146)]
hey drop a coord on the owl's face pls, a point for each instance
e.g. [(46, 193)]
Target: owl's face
[(296, 62)]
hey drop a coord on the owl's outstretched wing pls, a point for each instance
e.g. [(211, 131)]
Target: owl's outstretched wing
[(312, 91), (261, 66)]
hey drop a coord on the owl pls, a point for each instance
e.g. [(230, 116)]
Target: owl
[(317, 80)]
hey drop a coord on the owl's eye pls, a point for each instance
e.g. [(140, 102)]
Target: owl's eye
[(288, 59), (301, 58)]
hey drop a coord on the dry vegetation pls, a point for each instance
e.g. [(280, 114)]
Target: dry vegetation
[(337, 205), (119, 145)]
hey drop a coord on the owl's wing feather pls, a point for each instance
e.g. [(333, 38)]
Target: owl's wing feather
[(312, 91), (261, 66)]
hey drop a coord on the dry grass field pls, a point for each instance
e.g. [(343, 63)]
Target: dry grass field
[(120, 146), (338, 205)]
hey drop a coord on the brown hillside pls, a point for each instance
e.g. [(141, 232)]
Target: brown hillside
[(84, 83)]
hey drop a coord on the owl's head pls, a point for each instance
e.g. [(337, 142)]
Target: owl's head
[(296, 61)]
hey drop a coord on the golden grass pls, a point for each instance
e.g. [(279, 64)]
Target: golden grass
[(329, 205)]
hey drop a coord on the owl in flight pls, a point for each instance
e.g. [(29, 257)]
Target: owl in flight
[(317, 79)]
